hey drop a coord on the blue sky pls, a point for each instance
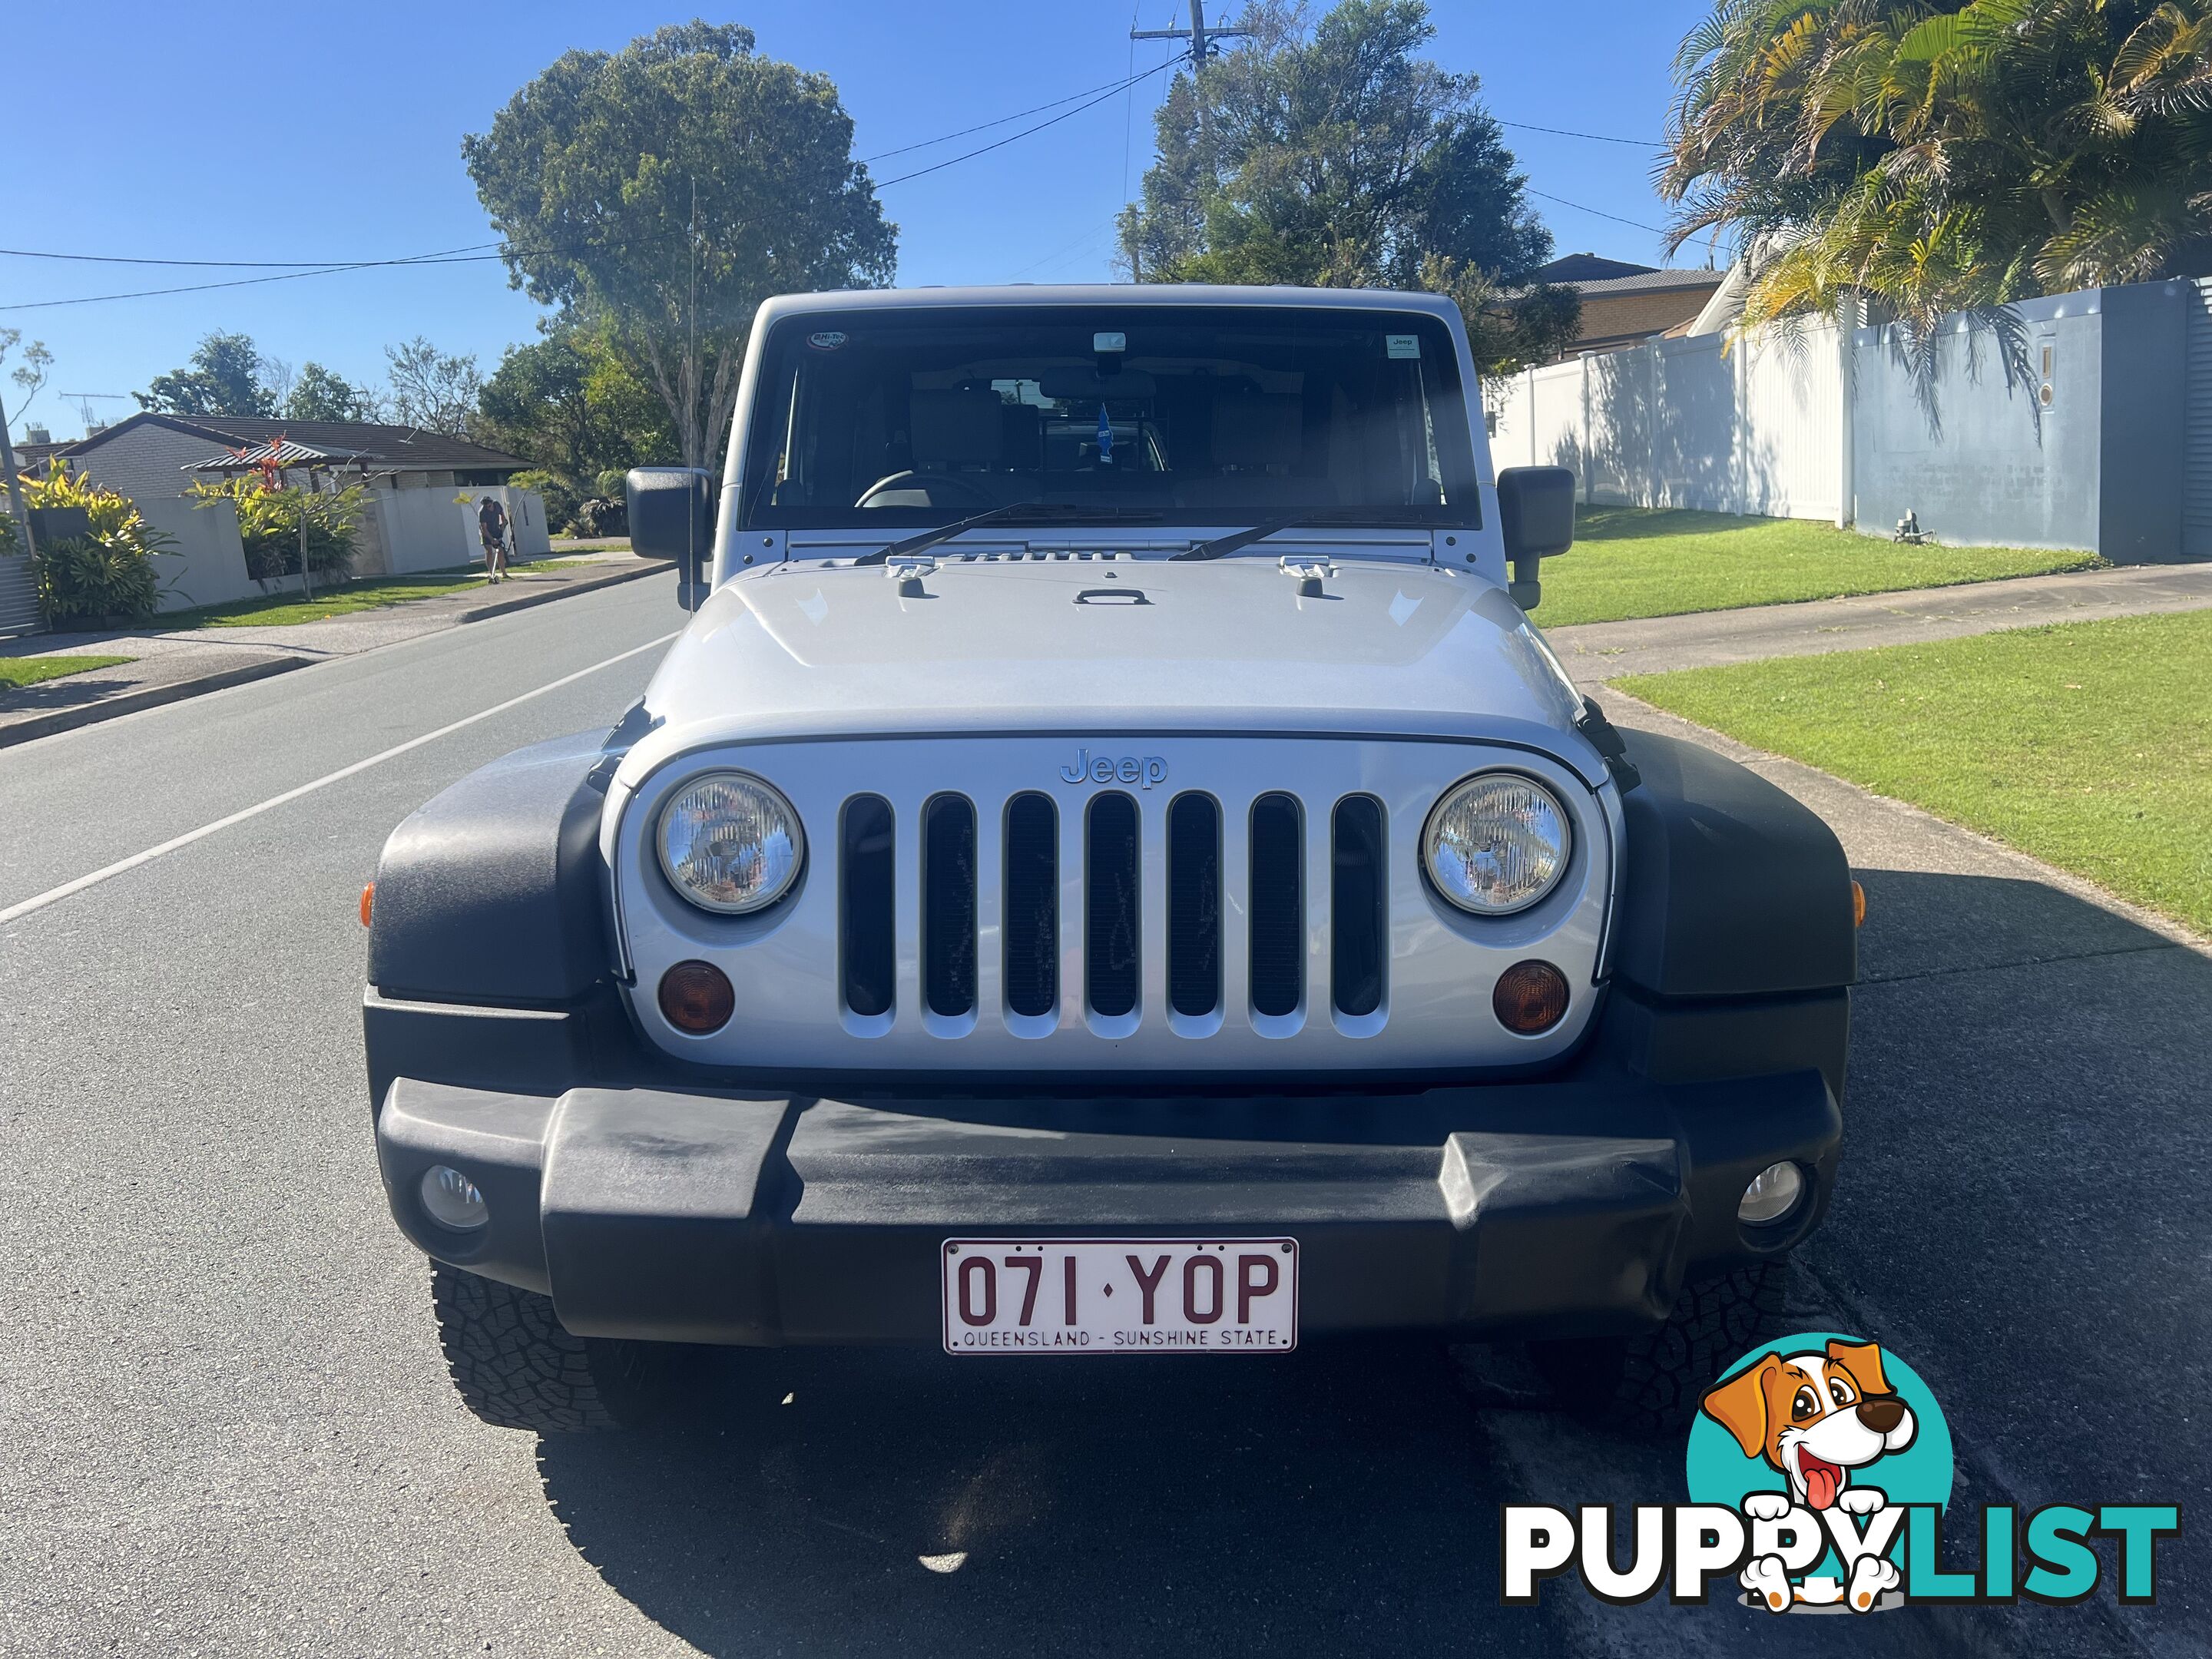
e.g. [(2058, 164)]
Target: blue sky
[(334, 132)]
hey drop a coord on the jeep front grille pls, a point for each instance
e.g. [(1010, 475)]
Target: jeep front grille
[(1001, 904), (866, 935), (1112, 884), (1277, 908), (1193, 905), (1359, 904), (948, 913), (1032, 921)]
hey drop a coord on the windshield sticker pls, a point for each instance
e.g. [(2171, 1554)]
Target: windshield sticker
[(1402, 345), (1103, 341), (829, 339)]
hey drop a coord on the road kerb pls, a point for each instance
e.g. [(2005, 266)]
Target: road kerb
[(523, 602), (153, 697), (131, 703)]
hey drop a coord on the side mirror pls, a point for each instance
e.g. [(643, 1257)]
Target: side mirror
[(672, 516), (1537, 517)]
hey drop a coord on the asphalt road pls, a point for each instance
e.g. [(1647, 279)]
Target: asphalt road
[(227, 1429)]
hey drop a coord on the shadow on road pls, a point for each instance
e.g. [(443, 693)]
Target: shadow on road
[(70, 691), (1342, 1498)]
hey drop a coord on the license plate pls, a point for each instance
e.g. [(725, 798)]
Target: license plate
[(1121, 1296)]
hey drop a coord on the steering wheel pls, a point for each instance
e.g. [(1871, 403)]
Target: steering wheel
[(931, 484)]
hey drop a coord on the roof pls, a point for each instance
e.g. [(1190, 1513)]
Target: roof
[(390, 446), (1585, 268), (1649, 282), (282, 451)]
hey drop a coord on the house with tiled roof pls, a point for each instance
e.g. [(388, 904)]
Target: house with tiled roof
[(151, 454), (1624, 303), (422, 486)]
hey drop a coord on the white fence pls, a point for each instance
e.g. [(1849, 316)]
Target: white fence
[(405, 530), (206, 561), (2105, 445), (1759, 428)]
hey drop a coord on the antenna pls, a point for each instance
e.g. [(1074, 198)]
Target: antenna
[(84, 401)]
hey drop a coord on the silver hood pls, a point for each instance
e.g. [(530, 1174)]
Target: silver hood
[(1032, 644)]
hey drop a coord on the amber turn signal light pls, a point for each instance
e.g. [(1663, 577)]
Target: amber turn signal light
[(1858, 905), (1531, 998), (697, 997), (367, 902)]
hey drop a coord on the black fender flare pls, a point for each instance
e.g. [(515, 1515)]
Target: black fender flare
[(1729, 887), (495, 891)]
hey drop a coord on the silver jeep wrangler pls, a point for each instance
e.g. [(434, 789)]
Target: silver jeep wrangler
[(1109, 868)]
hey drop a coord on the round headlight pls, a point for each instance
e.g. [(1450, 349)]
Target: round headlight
[(731, 843), (1496, 844)]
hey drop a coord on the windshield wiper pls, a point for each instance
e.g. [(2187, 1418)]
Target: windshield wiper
[(1313, 517), (1037, 512)]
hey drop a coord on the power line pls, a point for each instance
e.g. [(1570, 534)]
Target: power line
[(1012, 137), (252, 282), (232, 265), (1568, 132), (985, 126), (1058, 254), (451, 257), (1638, 223)]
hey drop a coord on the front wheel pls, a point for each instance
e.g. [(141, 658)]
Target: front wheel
[(1651, 1383), (517, 1367)]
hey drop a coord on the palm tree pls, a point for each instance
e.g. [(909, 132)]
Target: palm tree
[(1928, 157)]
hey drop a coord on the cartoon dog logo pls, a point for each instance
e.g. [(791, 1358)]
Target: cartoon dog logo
[(1820, 1418)]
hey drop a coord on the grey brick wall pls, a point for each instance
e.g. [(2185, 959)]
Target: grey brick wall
[(145, 463)]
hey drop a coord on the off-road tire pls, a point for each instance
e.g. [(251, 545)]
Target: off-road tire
[(1651, 1383), (517, 1368)]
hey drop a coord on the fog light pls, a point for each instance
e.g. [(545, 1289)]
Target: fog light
[(1530, 997), (1773, 1193), (450, 1199), (697, 997)]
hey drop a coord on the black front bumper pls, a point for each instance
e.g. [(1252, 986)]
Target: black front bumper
[(1574, 1205)]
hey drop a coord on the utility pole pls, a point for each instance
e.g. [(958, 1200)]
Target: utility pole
[(15, 489), (1201, 38), (1202, 51)]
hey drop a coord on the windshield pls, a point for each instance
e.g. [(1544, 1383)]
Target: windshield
[(1202, 414)]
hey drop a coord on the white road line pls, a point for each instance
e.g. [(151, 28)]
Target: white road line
[(54, 895)]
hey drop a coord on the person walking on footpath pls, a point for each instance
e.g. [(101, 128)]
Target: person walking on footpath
[(491, 530)]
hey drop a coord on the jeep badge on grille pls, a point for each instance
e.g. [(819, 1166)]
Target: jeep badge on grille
[(1144, 772)]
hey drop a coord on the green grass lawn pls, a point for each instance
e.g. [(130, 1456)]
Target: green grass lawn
[(1636, 561), (282, 610), (2088, 744), (31, 671)]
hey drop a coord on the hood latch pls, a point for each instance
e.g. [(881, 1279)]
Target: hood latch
[(908, 569), (1309, 571)]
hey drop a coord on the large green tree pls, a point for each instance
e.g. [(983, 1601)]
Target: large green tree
[(661, 192), (1331, 152), (570, 403), (1933, 155), (322, 394), (226, 378)]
